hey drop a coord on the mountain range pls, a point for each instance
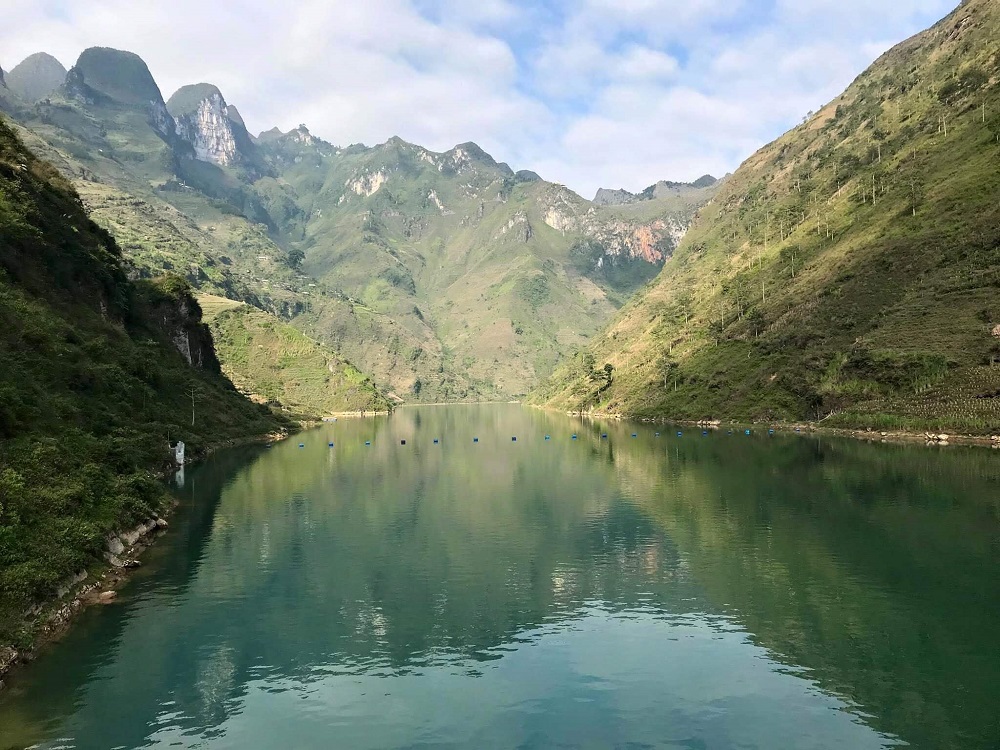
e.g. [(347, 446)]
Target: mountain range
[(445, 276)]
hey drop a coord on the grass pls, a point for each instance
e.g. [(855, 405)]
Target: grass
[(274, 363), (93, 387), (799, 296)]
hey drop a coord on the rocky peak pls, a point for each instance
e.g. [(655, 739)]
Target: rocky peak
[(204, 120), (117, 75), (36, 77)]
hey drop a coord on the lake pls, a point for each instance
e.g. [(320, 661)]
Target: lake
[(693, 591)]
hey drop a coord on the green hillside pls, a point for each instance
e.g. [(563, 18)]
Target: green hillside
[(274, 363), (847, 272), (99, 373), (443, 276)]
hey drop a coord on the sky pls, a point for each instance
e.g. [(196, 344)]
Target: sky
[(588, 93)]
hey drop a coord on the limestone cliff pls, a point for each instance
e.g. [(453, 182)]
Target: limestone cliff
[(209, 125)]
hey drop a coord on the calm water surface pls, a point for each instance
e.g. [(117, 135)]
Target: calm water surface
[(673, 592)]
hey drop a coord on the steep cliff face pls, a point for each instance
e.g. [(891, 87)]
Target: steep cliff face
[(204, 120), (172, 305)]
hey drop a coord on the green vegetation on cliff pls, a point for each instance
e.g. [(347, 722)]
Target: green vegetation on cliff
[(848, 271), (272, 362), (99, 375)]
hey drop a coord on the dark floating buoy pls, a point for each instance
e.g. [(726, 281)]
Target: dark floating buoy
[(302, 445), (770, 432), (475, 440), (368, 442), (574, 437), (657, 434), (604, 436), (680, 434), (402, 442), (748, 432), (513, 440), (730, 432), (548, 437), (634, 435), (331, 445), (435, 441)]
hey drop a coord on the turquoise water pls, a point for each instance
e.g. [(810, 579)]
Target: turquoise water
[(718, 591)]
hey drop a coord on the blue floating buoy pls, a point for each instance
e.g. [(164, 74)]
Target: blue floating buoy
[(770, 432), (475, 440), (331, 445), (604, 436), (704, 433), (574, 437), (435, 441), (657, 434), (548, 437), (302, 445), (797, 429), (513, 440), (680, 434), (748, 432), (368, 442), (402, 442)]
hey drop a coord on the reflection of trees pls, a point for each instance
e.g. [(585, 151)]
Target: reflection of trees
[(870, 566), (379, 559)]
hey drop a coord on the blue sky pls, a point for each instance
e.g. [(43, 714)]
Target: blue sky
[(592, 93)]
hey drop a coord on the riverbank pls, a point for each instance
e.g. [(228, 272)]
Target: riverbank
[(886, 436), (98, 583)]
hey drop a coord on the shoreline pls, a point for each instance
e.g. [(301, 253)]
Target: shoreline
[(883, 436), (98, 583)]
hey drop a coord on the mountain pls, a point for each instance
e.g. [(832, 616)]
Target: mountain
[(846, 272), (100, 374), (274, 363), (36, 77), (444, 276), (662, 189)]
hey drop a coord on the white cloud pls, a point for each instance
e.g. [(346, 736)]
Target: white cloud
[(590, 93)]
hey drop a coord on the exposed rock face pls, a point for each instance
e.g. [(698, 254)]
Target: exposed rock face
[(661, 189), (652, 241), (36, 77), (203, 119), (179, 317)]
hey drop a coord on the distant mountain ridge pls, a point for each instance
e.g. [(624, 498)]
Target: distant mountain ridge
[(661, 189), (36, 77), (443, 275)]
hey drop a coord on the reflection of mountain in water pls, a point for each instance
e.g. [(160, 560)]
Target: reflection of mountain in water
[(869, 567)]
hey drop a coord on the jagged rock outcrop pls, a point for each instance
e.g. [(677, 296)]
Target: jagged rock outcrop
[(36, 77), (213, 129), (179, 316)]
